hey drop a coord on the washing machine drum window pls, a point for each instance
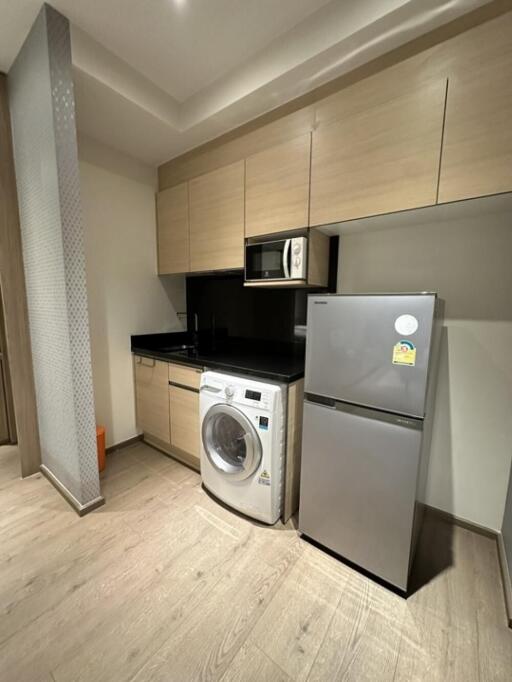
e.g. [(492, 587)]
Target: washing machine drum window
[(230, 441)]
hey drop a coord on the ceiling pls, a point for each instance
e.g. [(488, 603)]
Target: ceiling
[(154, 78)]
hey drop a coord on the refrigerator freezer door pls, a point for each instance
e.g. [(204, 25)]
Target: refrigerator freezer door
[(370, 350), (358, 484)]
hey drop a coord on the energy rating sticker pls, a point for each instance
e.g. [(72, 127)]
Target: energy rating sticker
[(264, 478), (404, 353)]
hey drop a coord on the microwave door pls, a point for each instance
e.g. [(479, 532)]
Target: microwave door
[(266, 260)]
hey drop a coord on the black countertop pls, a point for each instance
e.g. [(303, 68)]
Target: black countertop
[(277, 362)]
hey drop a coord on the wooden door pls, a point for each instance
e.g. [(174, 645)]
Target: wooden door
[(152, 398), (217, 219), (184, 406), (381, 155), (477, 149), (277, 188), (173, 230)]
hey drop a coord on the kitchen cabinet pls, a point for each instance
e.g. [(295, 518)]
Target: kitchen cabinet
[(477, 149), (184, 385), (152, 399), (184, 405), (217, 219), (379, 157), (173, 230), (277, 188)]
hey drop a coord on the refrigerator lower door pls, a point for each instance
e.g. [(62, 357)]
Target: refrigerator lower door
[(358, 486)]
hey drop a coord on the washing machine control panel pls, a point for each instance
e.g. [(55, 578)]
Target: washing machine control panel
[(259, 398), (248, 396)]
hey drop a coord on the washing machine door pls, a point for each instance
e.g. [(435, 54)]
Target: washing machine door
[(231, 442)]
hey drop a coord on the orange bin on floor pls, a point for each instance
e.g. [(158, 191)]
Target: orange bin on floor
[(100, 440)]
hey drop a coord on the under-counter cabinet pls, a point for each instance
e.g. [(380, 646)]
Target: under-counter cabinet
[(167, 403), (382, 152), (216, 209), (184, 385), (277, 188), (477, 149), (173, 242), (152, 399)]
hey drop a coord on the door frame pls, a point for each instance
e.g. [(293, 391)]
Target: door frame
[(12, 281), (5, 378)]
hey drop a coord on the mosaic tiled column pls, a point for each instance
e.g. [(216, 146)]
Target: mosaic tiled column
[(45, 150)]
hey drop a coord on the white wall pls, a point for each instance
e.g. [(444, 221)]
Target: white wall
[(125, 295), (468, 262)]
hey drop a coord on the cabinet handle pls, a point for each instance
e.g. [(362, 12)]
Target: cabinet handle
[(184, 387), (148, 362)]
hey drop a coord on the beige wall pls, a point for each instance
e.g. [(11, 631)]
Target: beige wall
[(468, 262), (125, 295)]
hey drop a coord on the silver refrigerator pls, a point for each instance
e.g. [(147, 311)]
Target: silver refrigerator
[(369, 388)]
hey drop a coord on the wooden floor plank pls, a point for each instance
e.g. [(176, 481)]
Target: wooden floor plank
[(166, 583), (362, 641), (294, 625), (252, 665)]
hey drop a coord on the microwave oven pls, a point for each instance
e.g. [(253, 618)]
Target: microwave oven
[(280, 259)]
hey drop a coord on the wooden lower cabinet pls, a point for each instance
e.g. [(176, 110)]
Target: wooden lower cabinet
[(184, 410), (293, 452), (168, 414), (185, 377), (152, 398)]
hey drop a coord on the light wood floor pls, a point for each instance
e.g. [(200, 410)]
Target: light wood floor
[(165, 584)]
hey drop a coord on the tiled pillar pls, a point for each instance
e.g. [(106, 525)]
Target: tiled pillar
[(45, 152)]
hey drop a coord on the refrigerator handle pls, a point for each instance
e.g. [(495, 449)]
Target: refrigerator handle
[(286, 251), (320, 400)]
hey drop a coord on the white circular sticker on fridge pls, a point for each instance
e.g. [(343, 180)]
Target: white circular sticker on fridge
[(406, 325)]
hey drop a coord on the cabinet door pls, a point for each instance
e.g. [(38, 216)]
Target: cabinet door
[(152, 397), (217, 219), (184, 405), (173, 232), (379, 158), (477, 149), (277, 188)]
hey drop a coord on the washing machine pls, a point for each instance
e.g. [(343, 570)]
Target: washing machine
[(242, 443)]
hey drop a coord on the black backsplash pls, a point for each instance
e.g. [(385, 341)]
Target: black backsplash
[(226, 309), (270, 319)]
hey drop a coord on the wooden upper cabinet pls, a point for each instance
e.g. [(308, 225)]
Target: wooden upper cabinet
[(277, 188), (381, 155), (477, 149), (217, 219), (173, 230)]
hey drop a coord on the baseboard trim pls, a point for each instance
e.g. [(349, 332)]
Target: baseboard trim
[(463, 523), (488, 533), (123, 444), (81, 509), (180, 456), (506, 578)]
